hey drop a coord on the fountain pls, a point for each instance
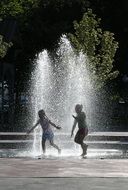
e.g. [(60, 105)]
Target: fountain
[(57, 84)]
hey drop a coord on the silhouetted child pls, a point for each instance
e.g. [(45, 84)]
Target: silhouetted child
[(82, 132), (47, 131)]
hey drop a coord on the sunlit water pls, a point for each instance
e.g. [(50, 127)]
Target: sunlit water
[(58, 83), (66, 154)]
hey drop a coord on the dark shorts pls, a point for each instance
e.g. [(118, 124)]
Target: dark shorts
[(80, 135), (48, 136)]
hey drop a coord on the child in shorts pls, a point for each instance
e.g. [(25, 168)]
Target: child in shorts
[(82, 132), (47, 131)]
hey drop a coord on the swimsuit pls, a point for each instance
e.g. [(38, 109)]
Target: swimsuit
[(47, 131), (80, 135), (83, 130)]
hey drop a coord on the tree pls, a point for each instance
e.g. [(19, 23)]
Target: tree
[(100, 47), (41, 22), (17, 8), (3, 47)]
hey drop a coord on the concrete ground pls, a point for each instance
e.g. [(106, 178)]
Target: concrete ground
[(63, 183), (63, 174)]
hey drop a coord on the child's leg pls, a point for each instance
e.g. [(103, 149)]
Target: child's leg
[(54, 145), (43, 145), (83, 145), (80, 135), (77, 138)]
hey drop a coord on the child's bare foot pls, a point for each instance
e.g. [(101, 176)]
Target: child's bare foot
[(84, 150)]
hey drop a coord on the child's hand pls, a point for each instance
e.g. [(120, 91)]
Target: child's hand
[(58, 127), (74, 117)]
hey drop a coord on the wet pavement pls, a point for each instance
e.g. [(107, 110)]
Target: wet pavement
[(63, 183), (63, 167), (99, 170)]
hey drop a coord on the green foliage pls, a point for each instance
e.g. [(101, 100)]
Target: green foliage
[(100, 47), (40, 23), (3, 47), (16, 7)]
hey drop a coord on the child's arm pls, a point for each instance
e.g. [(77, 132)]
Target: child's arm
[(73, 127), (57, 127), (75, 117), (29, 131)]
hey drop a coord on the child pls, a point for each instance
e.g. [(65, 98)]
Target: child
[(47, 131), (83, 130)]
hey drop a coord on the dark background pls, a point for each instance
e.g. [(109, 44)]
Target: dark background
[(40, 28)]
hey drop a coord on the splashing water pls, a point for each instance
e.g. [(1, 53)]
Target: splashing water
[(58, 84)]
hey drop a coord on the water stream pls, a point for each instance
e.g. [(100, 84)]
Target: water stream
[(58, 83)]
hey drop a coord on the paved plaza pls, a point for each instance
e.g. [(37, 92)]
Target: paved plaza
[(63, 173), (63, 183)]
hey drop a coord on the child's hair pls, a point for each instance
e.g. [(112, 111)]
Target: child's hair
[(78, 107), (41, 113)]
